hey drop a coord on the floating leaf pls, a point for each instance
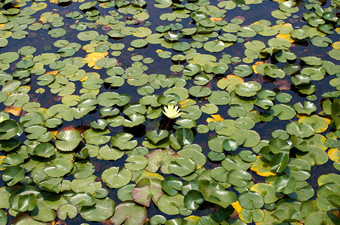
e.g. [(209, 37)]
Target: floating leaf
[(171, 185), (156, 136), (243, 70), (3, 217), (67, 210), (122, 141), (251, 200), (44, 150), (136, 163), (215, 193), (13, 175), (182, 166), (283, 112), (59, 167), (247, 89), (239, 178), (147, 189), (170, 204), (102, 210), (192, 200), (267, 191), (129, 213), (115, 178), (181, 46), (279, 162), (160, 159), (68, 140)]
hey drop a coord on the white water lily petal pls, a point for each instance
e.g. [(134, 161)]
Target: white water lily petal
[(172, 111)]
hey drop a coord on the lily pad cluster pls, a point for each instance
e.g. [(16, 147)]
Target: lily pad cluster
[(169, 112)]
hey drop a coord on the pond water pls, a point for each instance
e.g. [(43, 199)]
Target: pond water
[(88, 133)]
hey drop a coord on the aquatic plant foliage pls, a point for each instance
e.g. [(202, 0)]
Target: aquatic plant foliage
[(169, 112)]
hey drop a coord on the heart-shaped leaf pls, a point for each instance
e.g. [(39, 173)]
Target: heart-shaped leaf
[(216, 193), (129, 213), (147, 189), (115, 178), (182, 166), (122, 141), (156, 136), (102, 210), (171, 185), (68, 140), (192, 200), (67, 210)]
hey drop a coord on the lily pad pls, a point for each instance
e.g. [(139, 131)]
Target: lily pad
[(68, 140), (102, 210), (147, 189), (122, 141), (170, 204), (129, 213), (115, 178), (247, 89)]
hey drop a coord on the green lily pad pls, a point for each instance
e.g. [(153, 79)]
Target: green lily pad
[(67, 210), (216, 143), (199, 91), (136, 163), (139, 43), (124, 193), (57, 32), (185, 136), (300, 129), (96, 136), (321, 41), (102, 210), (82, 199), (215, 193), (122, 141), (181, 46), (87, 35), (251, 200), (171, 185), (3, 217), (108, 153), (303, 191), (214, 46), (129, 213), (182, 166), (285, 184), (247, 89), (170, 204), (156, 136), (192, 200), (299, 169), (239, 178), (115, 178), (267, 191), (247, 138), (59, 167), (283, 112), (13, 175), (147, 189), (279, 162), (243, 70), (68, 140), (160, 159), (219, 98)]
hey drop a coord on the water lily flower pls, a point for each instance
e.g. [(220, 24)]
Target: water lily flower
[(172, 111)]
